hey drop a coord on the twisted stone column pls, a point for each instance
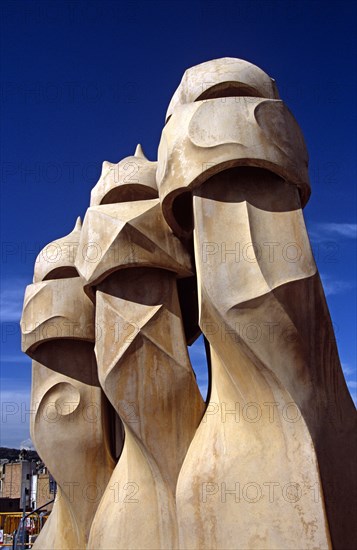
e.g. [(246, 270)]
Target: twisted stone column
[(280, 421), (143, 364), (70, 421)]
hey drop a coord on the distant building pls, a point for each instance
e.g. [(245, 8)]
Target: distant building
[(25, 480), (44, 489), (3, 461), (17, 481)]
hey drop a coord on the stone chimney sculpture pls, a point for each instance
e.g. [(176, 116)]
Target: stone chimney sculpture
[(209, 239)]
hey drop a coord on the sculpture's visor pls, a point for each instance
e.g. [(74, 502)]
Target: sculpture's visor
[(222, 78), (207, 137), (56, 259), (133, 178), (117, 236), (56, 309)]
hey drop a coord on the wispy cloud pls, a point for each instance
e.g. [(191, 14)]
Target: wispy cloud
[(336, 286), (328, 230), (27, 444), (20, 397), (15, 417), (11, 299), (197, 354), (348, 230), (16, 358), (198, 347), (348, 370)]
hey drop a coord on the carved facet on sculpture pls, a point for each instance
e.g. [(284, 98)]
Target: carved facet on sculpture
[(214, 226), (71, 424)]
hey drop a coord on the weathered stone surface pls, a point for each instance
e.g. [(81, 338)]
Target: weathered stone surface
[(120, 236), (133, 178), (143, 367), (272, 415), (70, 426), (224, 77), (268, 462), (145, 371), (206, 137), (55, 261)]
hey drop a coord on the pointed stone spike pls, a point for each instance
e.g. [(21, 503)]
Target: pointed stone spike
[(139, 152), (106, 166), (78, 225)]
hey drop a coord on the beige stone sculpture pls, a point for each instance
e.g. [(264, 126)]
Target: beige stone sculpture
[(143, 364), (268, 461), (70, 425)]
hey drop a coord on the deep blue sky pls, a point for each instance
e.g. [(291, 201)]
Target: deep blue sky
[(84, 82)]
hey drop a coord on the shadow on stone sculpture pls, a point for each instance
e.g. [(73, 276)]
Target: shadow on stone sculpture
[(209, 239)]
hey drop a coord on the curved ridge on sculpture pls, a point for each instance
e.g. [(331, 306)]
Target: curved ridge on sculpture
[(251, 194), (268, 462), (131, 179), (58, 333), (143, 366)]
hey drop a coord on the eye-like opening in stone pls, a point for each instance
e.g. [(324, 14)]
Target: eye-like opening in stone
[(182, 210), (229, 89), (63, 272), (129, 193)]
